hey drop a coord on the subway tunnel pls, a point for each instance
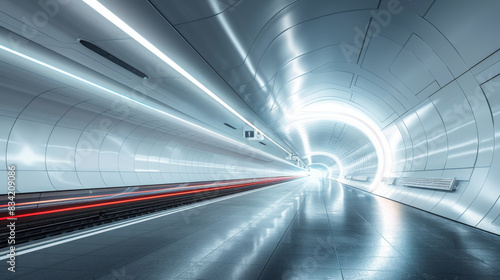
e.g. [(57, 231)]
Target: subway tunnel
[(310, 139)]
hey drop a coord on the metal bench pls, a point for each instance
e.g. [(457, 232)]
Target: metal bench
[(445, 184), (389, 180), (357, 178)]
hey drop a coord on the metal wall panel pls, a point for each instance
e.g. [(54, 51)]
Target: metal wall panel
[(480, 107), (63, 180), (27, 144), (80, 116), (489, 191), (6, 124), (396, 143), (18, 96), (112, 178), (126, 158), (468, 120), (109, 153), (407, 142), (424, 200), (459, 124), (473, 31), (130, 178), (418, 140), (91, 179), (60, 152), (437, 142), (449, 205), (48, 108)]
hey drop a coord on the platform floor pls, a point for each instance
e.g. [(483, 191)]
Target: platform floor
[(304, 229)]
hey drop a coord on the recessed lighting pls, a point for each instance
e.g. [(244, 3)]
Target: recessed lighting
[(230, 126), (98, 50)]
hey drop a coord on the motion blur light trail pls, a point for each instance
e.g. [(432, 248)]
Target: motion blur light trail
[(136, 199)]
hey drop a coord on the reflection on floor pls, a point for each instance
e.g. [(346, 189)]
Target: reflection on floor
[(304, 229)]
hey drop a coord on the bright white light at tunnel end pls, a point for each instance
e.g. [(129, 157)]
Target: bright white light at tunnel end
[(317, 172), (334, 158), (335, 111)]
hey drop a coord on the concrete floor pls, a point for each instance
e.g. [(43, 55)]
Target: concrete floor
[(305, 229)]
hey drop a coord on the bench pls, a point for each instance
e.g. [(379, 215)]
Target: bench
[(444, 184)]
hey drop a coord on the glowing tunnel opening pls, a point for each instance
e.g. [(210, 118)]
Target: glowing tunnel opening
[(353, 117), (319, 170), (334, 158)]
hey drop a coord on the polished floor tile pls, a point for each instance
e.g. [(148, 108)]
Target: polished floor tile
[(217, 271), (304, 229), (380, 275), (312, 272)]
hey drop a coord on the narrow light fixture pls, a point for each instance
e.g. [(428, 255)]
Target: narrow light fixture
[(99, 51), (105, 12), (230, 126)]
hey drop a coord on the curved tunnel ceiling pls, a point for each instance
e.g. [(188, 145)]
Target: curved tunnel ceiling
[(364, 88), (382, 58), (283, 57)]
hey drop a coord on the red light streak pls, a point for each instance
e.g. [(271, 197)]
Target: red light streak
[(144, 198), (106, 195)]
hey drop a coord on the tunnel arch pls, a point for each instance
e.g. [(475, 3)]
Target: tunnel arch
[(372, 132), (337, 161), (428, 83), (322, 167)]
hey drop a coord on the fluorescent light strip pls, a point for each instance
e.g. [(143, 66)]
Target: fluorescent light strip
[(101, 9), (132, 100)]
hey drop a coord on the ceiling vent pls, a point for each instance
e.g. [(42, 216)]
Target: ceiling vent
[(230, 126), (113, 58)]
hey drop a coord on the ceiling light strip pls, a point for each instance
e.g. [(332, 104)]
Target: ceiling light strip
[(101, 9)]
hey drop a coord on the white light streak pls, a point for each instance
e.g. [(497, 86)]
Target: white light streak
[(101, 9)]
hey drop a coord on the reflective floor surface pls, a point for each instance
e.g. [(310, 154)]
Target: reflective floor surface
[(305, 229)]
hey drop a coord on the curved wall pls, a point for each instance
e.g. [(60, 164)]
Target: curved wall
[(454, 133), (362, 161), (61, 139)]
